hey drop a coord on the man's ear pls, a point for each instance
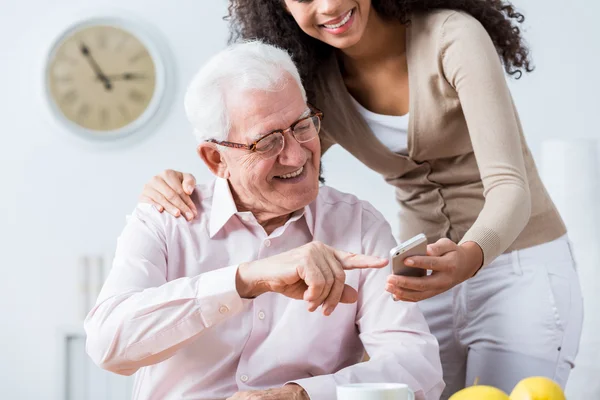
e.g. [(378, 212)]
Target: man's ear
[(212, 157)]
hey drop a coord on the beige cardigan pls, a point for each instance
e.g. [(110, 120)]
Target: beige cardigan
[(469, 175)]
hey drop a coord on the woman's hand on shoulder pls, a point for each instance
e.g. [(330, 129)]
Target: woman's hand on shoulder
[(171, 191)]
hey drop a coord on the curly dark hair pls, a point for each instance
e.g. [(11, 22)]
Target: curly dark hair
[(269, 21)]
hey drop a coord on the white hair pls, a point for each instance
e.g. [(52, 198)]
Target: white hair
[(241, 67)]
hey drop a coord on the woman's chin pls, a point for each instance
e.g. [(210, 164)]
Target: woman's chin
[(342, 43)]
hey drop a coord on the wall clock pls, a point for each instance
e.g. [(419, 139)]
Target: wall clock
[(105, 78)]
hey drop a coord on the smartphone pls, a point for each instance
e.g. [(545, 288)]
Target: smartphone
[(417, 246)]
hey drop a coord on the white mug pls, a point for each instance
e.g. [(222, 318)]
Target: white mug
[(375, 391)]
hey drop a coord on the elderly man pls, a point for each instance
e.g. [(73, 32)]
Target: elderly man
[(224, 307)]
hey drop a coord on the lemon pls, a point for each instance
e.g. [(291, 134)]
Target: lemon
[(537, 388), (480, 392)]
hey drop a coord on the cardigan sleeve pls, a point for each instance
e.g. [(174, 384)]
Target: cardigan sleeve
[(472, 66)]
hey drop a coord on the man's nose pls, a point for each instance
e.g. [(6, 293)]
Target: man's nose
[(293, 152)]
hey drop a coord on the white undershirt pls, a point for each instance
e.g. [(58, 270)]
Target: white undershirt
[(391, 130)]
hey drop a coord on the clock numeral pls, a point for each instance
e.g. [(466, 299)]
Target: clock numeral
[(64, 58), (69, 97), (83, 112), (123, 110), (121, 43), (101, 41), (63, 79), (138, 56), (104, 116), (137, 96)]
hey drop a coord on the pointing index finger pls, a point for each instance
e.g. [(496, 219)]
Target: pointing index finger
[(355, 261)]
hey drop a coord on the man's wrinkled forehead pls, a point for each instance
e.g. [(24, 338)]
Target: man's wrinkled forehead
[(265, 127), (255, 114)]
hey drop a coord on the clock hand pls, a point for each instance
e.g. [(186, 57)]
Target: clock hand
[(127, 76), (99, 74)]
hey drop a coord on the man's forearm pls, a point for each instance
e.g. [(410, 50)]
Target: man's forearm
[(128, 331)]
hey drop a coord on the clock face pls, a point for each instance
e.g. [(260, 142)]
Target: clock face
[(101, 78)]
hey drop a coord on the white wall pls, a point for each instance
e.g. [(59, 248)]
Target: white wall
[(61, 198), (560, 99)]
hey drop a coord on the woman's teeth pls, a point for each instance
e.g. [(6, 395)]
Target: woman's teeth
[(342, 22), (292, 175)]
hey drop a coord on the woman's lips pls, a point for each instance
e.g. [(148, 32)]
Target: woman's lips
[(344, 23)]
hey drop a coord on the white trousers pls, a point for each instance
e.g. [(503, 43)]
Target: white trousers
[(520, 316)]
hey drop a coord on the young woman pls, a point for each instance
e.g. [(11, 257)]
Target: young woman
[(416, 91)]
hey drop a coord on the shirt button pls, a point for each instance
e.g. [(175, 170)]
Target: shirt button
[(261, 315), (224, 309), (244, 378), (267, 243)]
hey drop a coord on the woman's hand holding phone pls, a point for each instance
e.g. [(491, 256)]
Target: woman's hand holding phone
[(450, 264)]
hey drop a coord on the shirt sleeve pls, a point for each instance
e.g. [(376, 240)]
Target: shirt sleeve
[(472, 66), (140, 318), (395, 334)]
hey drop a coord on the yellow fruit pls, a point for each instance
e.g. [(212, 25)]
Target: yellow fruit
[(480, 392), (537, 388)]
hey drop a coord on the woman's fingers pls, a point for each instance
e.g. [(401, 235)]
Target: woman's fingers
[(189, 183), (434, 281), (441, 247), (183, 185), (425, 262), (411, 296), (158, 200), (147, 200), (173, 197), (405, 294), (416, 289), (434, 259)]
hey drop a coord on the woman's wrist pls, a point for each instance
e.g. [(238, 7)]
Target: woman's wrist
[(474, 255)]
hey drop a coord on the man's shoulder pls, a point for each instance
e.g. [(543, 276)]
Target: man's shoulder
[(346, 222), (331, 196), (341, 203), (202, 198), (203, 194)]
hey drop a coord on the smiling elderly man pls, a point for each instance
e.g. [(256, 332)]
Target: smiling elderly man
[(224, 307)]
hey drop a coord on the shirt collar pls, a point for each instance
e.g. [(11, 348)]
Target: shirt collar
[(309, 217), (223, 208)]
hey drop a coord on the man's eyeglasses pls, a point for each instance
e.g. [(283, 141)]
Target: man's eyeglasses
[(271, 144)]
